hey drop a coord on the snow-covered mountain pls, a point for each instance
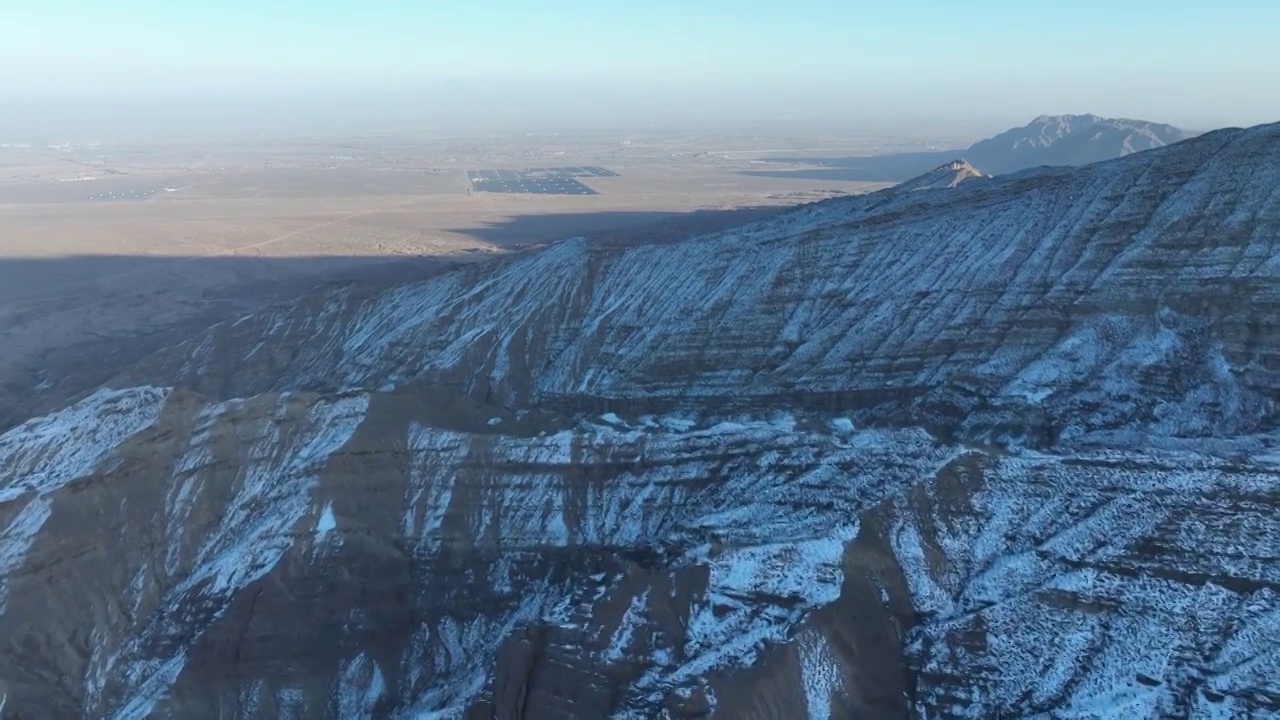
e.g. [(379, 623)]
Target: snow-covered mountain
[(1070, 140), (1003, 447)]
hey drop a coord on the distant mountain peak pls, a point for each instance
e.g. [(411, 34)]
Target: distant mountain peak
[(1069, 117), (1071, 140)]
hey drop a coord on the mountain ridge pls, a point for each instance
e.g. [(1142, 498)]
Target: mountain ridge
[(870, 457), (1048, 140), (706, 273), (1070, 140)]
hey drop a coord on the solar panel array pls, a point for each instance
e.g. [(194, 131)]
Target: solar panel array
[(538, 181)]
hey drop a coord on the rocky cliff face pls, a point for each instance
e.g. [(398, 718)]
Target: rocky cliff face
[(999, 449)]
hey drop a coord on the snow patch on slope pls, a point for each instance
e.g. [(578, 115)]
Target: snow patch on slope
[(459, 665), (360, 687), (273, 497), (325, 539), (282, 457), (151, 680), (820, 674), (42, 455), (631, 620)]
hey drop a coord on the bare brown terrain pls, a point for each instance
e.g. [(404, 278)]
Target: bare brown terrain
[(109, 252)]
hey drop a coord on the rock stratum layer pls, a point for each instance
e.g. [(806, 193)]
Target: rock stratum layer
[(1003, 449)]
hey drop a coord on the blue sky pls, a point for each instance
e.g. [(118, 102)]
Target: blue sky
[(1177, 60)]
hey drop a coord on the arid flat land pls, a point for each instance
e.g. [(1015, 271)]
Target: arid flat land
[(108, 252)]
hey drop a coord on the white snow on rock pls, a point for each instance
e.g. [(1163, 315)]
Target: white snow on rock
[(360, 687), (631, 620), (40, 456), (18, 538), (459, 670), (325, 538), (274, 495), (43, 454), (281, 457), (151, 680), (1048, 559), (820, 674)]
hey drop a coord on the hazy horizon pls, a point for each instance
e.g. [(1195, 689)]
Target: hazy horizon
[(77, 71)]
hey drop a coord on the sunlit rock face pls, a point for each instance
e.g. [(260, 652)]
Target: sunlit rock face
[(992, 448)]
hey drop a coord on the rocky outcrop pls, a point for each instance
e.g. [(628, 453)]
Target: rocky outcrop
[(999, 449), (947, 175)]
